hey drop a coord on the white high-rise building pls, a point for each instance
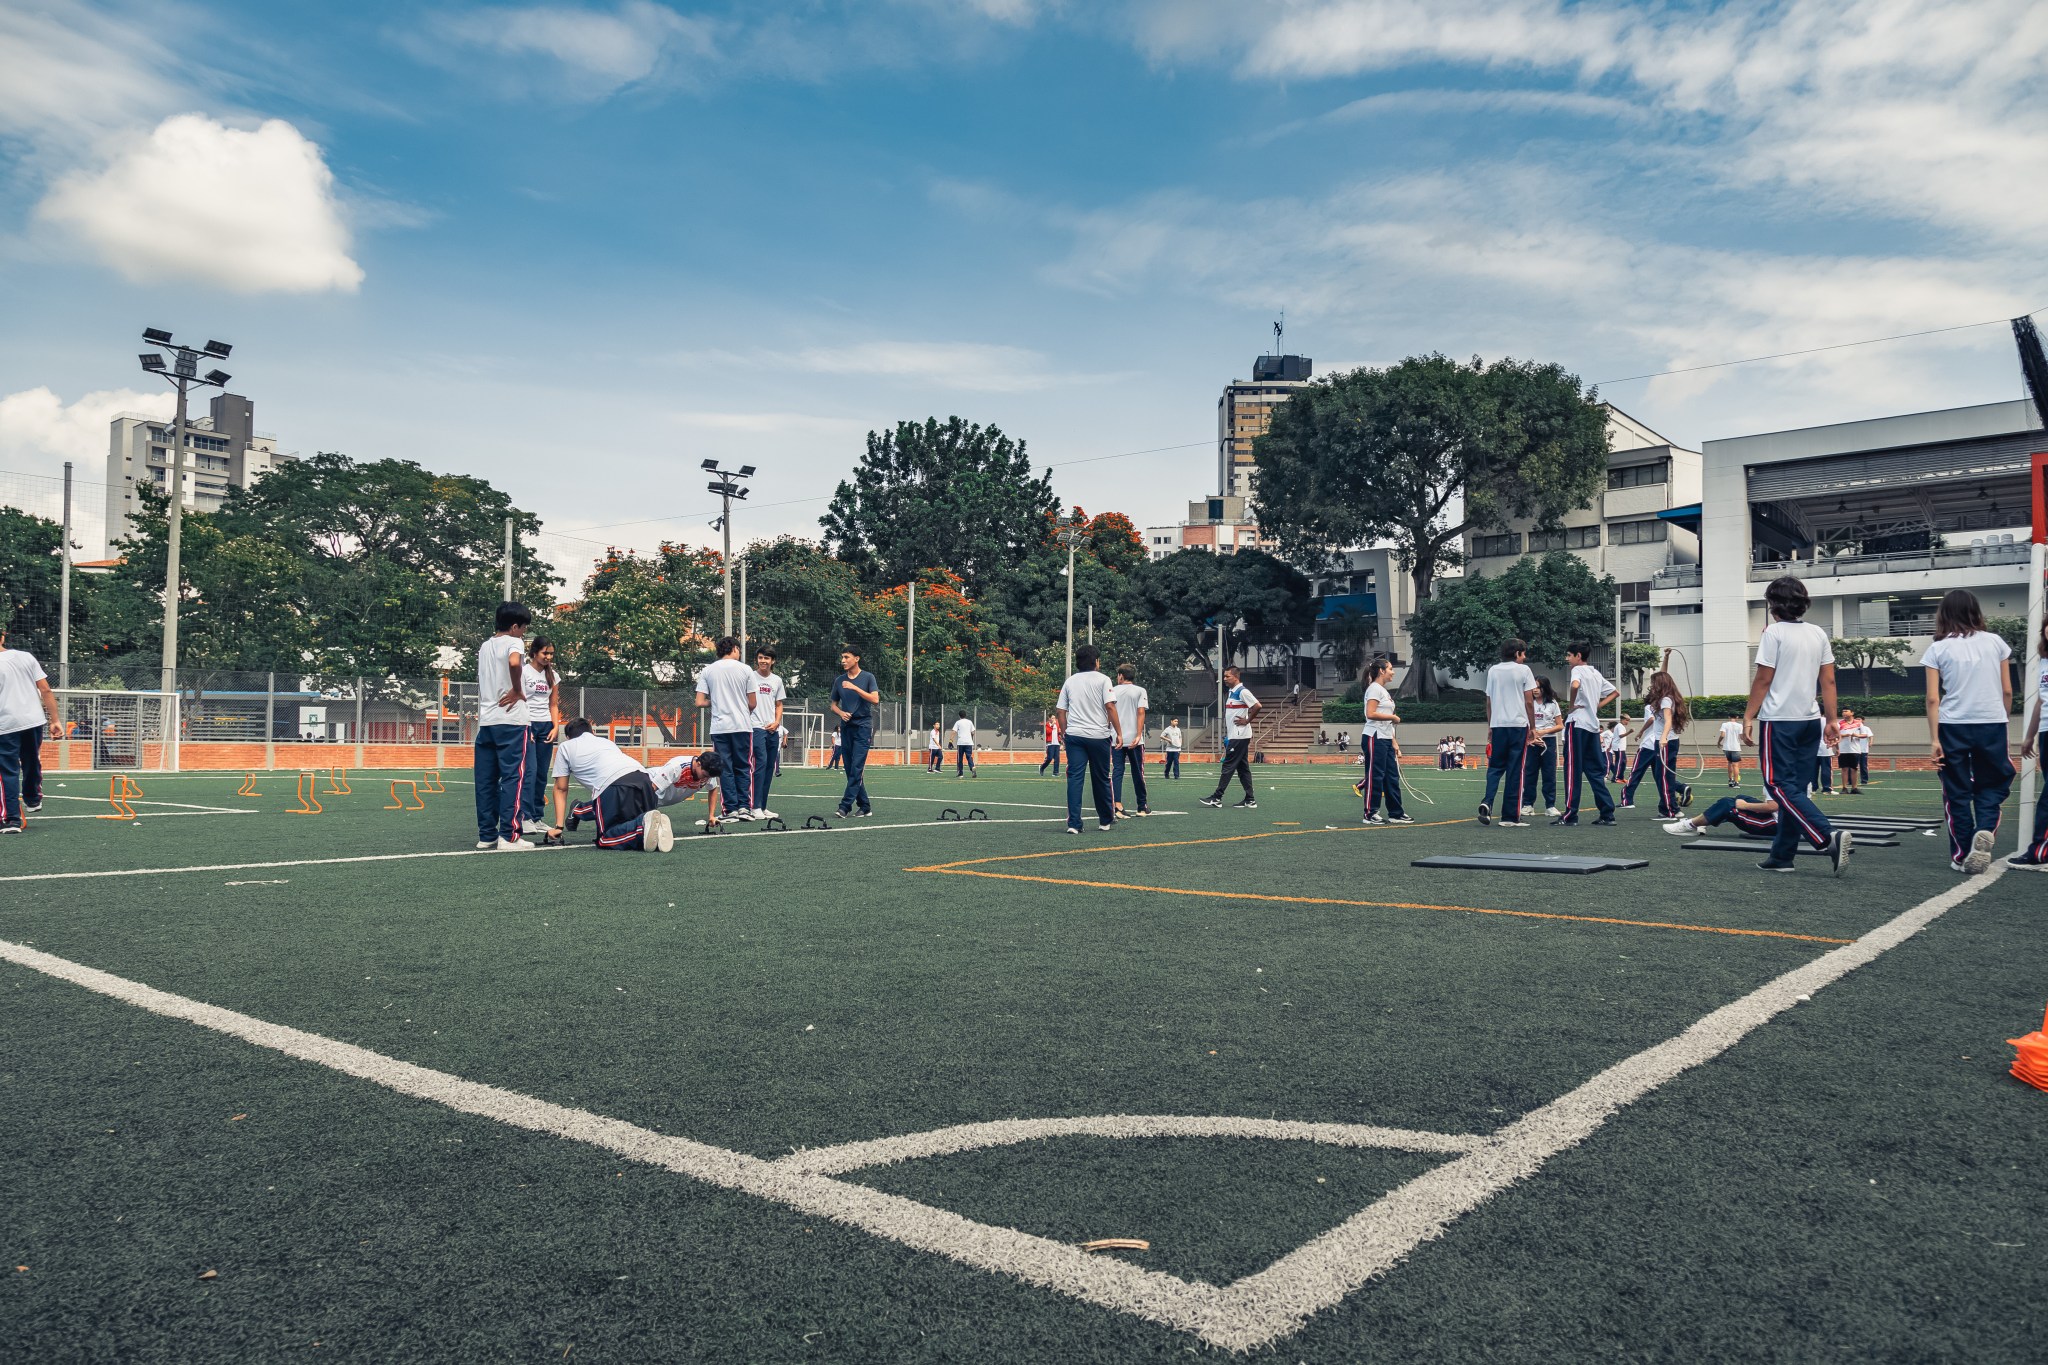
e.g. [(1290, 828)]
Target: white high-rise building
[(223, 450)]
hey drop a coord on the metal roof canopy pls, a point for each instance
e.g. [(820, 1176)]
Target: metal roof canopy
[(2004, 456)]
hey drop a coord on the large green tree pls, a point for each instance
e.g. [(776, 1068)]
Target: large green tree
[(950, 495), (1251, 597), (1422, 452), (1549, 602), (645, 621), (398, 561), (807, 606)]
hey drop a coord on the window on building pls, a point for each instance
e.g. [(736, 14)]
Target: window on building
[(1487, 547), (1640, 532), (1564, 538), (1635, 592), (1640, 475)]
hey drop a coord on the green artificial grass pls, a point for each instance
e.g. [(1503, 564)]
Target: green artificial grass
[(772, 993)]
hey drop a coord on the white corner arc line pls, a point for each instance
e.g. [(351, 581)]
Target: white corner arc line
[(1054, 1265), (1274, 1302), (1258, 1309), (968, 1137)]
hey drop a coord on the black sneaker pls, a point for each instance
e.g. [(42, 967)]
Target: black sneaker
[(1246, 804), (1605, 820), (1768, 866), (570, 825), (1212, 800), (1685, 797), (2022, 863), (844, 812), (1839, 844), (1485, 814), (864, 815), (1568, 821)]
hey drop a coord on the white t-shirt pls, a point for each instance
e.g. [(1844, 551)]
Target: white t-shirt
[(1855, 737), (1731, 736), (1085, 698), (1797, 650), (1547, 715), (494, 680), (1379, 729), (593, 760), (1826, 750), (728, 684), (21, 706), (1170, 736), (538, 689), (936, 742), (1592, 689), (1130, 700), (1970, 667), (1508, 685), (1237, 712), (963, 733), (2041, 691), (1656, 721), (768, 690), (673, 783)]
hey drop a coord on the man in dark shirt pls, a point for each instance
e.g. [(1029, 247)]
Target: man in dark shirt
[(854, 697)]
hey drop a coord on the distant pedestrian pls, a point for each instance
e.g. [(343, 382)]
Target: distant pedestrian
[(1052, 747), (28, 709), (963, 747), (1794, 663), (1583, 761), (1087, 717), (1170, 742), (1380, 750), (854, 698), (1853, 738), (500, 754), (1240, 707), (543, 727), (1132, 702), (1731, 750), (1511, 719), (935, 749), (725, 687)]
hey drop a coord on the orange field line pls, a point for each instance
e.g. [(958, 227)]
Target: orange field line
[(955, 870), (1180, 843)]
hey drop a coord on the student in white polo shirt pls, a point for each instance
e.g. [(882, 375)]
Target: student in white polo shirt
[(1379, 750), (963, 747), (1731, 750), (28, 708), (1240, 709), (770, 694), (1128, 751), (1582, 753), (1510, 719), (2033, 857), (1969, 701), (726, 688), (500, 752), (622, 800), (1794, 661), (934, 750), (1087, 717), (1854, 761)]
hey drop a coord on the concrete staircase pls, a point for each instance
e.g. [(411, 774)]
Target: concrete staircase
[(1288, 726)]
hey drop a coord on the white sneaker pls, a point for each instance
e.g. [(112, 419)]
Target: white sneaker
[(765, 814), (535, 827), (1681, 828), (1979, 857), (487, 843), (656, 834), (1553, 811), (516, 845), (740, 816)]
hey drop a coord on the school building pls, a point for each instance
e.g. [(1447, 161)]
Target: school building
[(1880, 518)]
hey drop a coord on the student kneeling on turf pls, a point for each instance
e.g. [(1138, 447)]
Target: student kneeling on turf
[(622, 800), (1746, 813)]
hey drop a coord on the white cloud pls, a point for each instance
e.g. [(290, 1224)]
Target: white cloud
[(74, 75), (589, 53), (968, 365), (250, 210), (1916, 108), (39, 432)]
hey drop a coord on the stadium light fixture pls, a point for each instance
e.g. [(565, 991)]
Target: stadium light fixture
[(746, 471), (182, 374), (728, 486)]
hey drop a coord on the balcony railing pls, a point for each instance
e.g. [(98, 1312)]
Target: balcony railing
[(1676, 576), (1912, 561)]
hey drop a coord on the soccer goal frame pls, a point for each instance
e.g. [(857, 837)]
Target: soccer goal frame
[(115, 731)]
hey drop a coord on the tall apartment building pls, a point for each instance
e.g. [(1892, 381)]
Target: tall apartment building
[(1244, 412), (1218, 525), (223, 450), (1645, 521)]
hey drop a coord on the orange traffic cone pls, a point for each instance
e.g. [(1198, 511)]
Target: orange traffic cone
[(2031, 1065)]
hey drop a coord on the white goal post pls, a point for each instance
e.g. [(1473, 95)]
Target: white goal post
[(108, 731)]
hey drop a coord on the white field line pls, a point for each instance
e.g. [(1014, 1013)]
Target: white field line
[(1254, 1311), (138, 801), (968, 1137), (1037, 1260), (684, 839), (955, 801), (147, 815)]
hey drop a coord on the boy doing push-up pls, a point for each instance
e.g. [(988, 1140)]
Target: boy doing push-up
[(622, 799)]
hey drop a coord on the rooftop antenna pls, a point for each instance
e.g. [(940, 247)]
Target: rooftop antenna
[(1280, 333)]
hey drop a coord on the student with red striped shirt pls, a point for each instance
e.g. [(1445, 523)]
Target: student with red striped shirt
[(1794, 661)]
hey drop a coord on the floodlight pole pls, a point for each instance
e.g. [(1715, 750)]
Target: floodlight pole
[(64, 591), (184, 375), (725, 525), (1071, 535), (508, 561), (909, 664)]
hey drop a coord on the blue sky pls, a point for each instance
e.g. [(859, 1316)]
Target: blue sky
[(577, 248)]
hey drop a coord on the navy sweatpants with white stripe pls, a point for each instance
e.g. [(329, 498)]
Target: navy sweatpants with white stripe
[(1583, 759), (1789, 750), (1976, 777), (1507, 751), (1382, 776)]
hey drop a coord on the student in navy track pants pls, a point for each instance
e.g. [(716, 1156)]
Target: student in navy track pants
[(1794, 661), (1969, 701), (2033, 857)]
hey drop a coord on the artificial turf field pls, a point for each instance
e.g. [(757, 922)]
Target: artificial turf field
[(1576, 1171)]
